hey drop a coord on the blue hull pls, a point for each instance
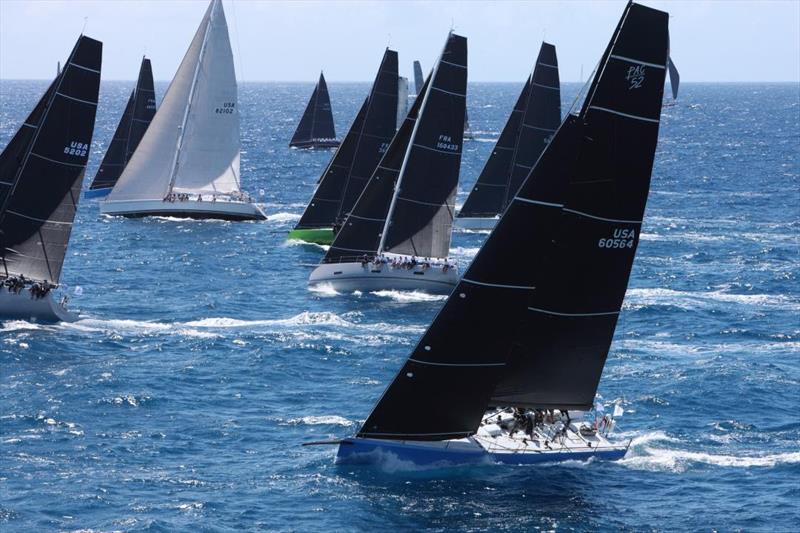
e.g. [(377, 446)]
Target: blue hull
[(373, 451), (97, 193)]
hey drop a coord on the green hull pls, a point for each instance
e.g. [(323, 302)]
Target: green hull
[(314, 235)]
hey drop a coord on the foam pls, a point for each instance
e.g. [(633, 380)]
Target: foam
[(330, 420), (692, 299), (282, 217), (410, 296)]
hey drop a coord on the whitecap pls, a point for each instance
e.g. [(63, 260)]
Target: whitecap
[(332, 420), (323, 289), (283, 217), (410, 296), (680, 460)]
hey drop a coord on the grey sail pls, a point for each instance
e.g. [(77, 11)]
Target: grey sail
[(531, 322), (42, 169), (674, 78), (421, 215), (419, 80), (192, 144)]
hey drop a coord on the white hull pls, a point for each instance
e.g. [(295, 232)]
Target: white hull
[(349, 277), (21, 306), (224, 209), (475, 223)]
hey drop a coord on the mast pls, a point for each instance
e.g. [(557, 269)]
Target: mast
[(174, 172)]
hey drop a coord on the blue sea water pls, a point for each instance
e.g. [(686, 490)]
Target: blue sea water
[(202, 362)]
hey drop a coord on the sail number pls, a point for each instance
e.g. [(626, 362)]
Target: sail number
[(445, 142), (226, 109), (76, 148), (623, 238)]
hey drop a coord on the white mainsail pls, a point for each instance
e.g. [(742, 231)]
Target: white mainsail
[(192, 144)]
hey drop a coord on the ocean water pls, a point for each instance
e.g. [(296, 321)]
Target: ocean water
[(181, 399)]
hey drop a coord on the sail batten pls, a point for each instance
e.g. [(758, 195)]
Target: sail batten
[(535, 322)]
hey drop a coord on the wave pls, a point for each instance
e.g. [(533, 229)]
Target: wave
[(328, 420), (467, 253), (663, 459), (218, 327), (637, 298), (298, 242), (283, 217), (410, 296), (324, 289)]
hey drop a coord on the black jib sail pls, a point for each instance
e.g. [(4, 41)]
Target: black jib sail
[(138, 113), (42, 169), (534, 119), (362, 229), (356, 158), (421, 215), (529, 324), (419, 79), (316, 126)]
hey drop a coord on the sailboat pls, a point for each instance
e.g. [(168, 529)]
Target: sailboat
[(355, 160), (316, 126), (187, 163), (534, 119), (135, 119), (397, 236), (508, 370), (419, 79), (41, 173)]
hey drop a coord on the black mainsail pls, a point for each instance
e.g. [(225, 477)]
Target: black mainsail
[(359, 153), (419, 79), (535, 117), (316, 127), (139, 111), (42, 168), (420, 217), (529, 324)]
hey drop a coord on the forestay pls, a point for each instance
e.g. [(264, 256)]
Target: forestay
[(531, 322), (42, 169)]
